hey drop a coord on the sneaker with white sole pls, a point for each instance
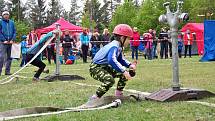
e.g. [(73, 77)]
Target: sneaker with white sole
[(35, 79), (46, 71), (92, 98)]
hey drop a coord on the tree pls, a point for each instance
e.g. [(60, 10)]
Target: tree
[(86, 22), (199, 11), (124, 14), (97, 13), (148, 16), (150, 11), (7, 5), (105, 14), (54, 12), (41, 13), (65, 15), (136, 3), (33, 11), (17, 10), (113, 5), (22, 28), (91, 11), (73, 14), (1, 5)]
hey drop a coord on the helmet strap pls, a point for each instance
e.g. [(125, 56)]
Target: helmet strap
[(119, 38), (123, 42)]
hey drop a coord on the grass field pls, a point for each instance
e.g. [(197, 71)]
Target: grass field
[(151, 76)]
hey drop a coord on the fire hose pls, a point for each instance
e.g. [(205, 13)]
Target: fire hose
[(40, 51)]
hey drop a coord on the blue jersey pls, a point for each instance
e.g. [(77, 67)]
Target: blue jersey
[(180, 45), (111, 55), (24, 47), (39, 44), (85, 40)]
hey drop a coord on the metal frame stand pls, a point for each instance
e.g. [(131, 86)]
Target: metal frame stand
[(176, 93), (57, 75)]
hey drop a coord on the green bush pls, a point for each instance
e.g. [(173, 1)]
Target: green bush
[(21, 29)]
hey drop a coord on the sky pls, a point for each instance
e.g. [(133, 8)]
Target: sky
[(66, 3)]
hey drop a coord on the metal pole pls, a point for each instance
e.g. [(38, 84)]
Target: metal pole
[(57, 71), (175, 67), (173, 21)]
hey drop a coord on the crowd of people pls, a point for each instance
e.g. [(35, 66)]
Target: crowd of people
[(160, 45), (88, 44)]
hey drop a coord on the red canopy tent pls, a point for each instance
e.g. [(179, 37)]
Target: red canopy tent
[(198, 29), (65, 25)]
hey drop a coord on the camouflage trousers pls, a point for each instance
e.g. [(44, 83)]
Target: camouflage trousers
[(106, 75)]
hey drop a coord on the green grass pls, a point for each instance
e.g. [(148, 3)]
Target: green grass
[(151, 76)]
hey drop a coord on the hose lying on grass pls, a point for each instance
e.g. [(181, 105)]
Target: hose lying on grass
[(11, 76), (97, 104)]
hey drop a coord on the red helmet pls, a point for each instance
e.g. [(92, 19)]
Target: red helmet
[(124, 30)]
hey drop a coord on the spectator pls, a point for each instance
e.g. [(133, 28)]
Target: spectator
[(85, 40), (188, 41), (67, 45), (135, 42), (78, 47), (51, 51), (94, 50), (148, 45), (7, 38), (95, 40), (105, 37), (32, 37), (180, 45), (24, 48), (163, 38), (154, 43), (169, 44), (75, 38)]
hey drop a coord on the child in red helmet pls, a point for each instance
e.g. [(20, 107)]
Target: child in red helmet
[(109, 63)]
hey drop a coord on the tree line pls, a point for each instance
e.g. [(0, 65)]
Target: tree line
[(99, 15), (146, 15)]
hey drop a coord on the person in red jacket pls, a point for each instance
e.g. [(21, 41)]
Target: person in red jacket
[(188, 41), (135, 42)]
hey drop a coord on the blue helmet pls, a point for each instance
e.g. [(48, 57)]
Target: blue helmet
[(23, 37)]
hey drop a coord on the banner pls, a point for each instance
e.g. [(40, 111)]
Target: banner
[(209, 43), (15, 51)]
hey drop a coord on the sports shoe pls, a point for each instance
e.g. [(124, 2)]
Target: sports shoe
[(118, 93), (94, 97), (35, 79), (8, 74), (46, 71)]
